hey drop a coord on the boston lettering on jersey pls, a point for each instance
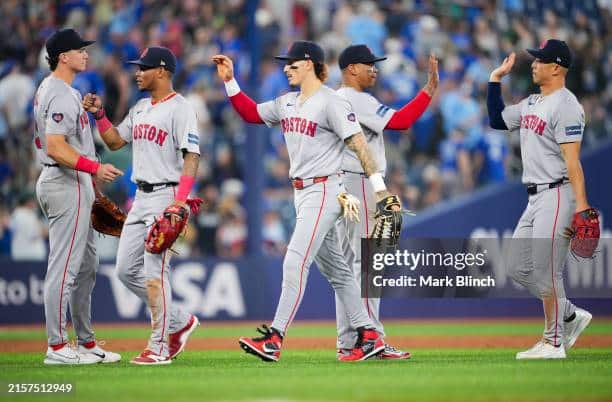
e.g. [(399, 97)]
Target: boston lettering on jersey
[(534, 123), (149, 132), (298, 125)]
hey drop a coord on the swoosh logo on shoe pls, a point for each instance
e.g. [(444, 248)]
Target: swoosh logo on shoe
[(270, 349), (100, 355)]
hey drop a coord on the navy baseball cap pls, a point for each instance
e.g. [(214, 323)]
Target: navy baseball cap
[(156, 57), (355, 54), (65, 40), (553, 51), (304, 50)]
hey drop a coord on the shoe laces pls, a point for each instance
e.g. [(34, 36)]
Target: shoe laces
[(391, 349), (266, 331)]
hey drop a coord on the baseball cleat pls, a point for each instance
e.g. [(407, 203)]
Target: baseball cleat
[(68, 355), (391, 353), (342, 352), (148, 358), (369, 344), (542, 350), (267, 347), (574, 328), (105, 355), (178, 340)]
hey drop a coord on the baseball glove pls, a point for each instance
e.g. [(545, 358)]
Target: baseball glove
[(388, 222), (584, 233), (350, 206), (106, 216), (166, 229)]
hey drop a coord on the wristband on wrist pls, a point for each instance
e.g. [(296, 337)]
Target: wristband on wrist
[(232, 88), (100, 114), (86, 165), (378, 183), (184, 188), (103, 123)]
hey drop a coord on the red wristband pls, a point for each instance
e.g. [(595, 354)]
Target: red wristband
[(184, 188), (86, 165), (104, 124)]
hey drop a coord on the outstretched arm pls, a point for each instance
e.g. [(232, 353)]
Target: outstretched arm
[(245, 106), (409, 113)]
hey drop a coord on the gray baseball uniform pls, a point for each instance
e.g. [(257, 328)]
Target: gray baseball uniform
[(373, 117), (65, 197), (315, 130), (537, 257), (159, 133)]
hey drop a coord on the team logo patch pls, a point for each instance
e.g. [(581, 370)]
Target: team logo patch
[(144, 52), (351, 117), (57, 117), (573, 130)]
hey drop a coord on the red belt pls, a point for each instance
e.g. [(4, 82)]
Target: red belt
[(299, 184)]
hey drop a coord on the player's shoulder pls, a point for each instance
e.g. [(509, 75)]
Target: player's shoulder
[(141, 104), (567, 98), (287, 97), (331, 95)]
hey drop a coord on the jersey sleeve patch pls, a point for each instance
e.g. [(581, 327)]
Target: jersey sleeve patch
[(193, 139), (57, 117), (573, 130), (351, 117), (382, 109)]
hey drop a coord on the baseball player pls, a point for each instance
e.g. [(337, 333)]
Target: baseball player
[(358, 74), (64, 146), (550, 125), (164, 134), (316, 123)]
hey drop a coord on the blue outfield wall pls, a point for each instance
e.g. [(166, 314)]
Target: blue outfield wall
[(249, 288)]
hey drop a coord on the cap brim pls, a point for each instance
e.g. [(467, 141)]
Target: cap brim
[(86, 43), (537, 53), (282, 57), (376, 60), (139, 63)]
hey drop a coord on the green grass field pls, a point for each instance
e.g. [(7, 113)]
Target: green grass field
[(431, 375)]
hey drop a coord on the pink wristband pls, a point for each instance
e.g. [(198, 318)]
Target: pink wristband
[(86, 165), (104, 125), (184, 188)]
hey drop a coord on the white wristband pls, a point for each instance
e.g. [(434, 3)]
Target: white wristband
[(378, 183), (232, 88)]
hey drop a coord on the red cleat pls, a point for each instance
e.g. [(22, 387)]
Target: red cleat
[(178, 340), (267, 347), (390, 353), (148, 358), (369, 344)]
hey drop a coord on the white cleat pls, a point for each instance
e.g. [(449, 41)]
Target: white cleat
[(67, 355), (574, 328), (105, 355), (542, 350)]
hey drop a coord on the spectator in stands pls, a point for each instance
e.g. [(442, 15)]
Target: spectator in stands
[(28, 231)]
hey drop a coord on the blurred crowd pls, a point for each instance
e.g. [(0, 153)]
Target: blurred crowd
[(449, 151)]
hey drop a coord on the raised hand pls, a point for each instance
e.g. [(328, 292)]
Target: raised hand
[(225, 67), (503, 69), (432, 76)]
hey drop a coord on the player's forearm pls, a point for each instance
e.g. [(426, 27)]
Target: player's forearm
[(190, 169), (358, 144), (65, 155), (404, 118), (576, 177), (243, 105), (110, 135), (112, 139), (495, 106)]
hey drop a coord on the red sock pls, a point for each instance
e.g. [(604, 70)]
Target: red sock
[(90, 344), (58, 346)]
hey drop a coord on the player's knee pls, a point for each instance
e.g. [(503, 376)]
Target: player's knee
[(123, 274)]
